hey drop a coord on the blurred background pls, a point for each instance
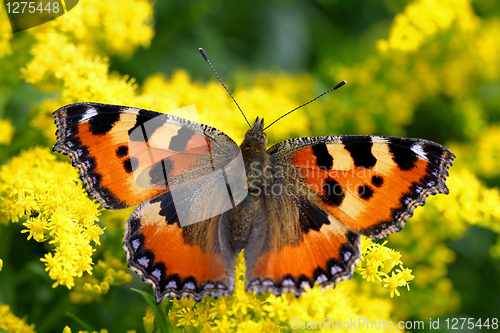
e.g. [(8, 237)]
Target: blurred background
[(424, 68)]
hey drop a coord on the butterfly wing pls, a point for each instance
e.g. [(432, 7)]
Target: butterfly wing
[(128, 156), (125, 154), (343, 187), (177, 261)]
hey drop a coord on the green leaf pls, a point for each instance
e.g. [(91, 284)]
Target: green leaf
[(160, 319), (3, 331)]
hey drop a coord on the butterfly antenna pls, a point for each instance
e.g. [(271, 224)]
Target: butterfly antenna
[(213, 69), (312, 100)]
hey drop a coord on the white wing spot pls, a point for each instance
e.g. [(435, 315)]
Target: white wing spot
[(189, 285), (209, 286), (69, 144), (144, 261), (347, 255), (267, 283), (305, 284), (322, 278), (156, 273), (336, 269), (89, 114), (378, 139), (171, 284), (288, 282), (135, 244), (417, 149)]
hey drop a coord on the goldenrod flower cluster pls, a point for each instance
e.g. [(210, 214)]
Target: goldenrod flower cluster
[(423, 19), (10, 323), (250, 312), (48, 197), (106, 273), (377, 262)]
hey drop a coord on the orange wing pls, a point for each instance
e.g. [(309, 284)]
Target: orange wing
[(124, 154), (177, 261)]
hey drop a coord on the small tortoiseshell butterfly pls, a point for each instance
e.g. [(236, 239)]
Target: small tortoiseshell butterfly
[(309, 199)]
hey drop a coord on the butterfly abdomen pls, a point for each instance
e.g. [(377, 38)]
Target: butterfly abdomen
[(252, 209)]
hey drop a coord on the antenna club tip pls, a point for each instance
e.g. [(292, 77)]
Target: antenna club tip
[(339, 85), (202, 51)]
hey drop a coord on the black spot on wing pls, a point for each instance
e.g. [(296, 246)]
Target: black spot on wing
[(159, 172), (333, 192), (360, 148), (134, 224), (131, 164), (179, 142), (167, 208), (323, 157), (402, 154), (108, 116), (121, 151), (311, 217), (148, 122), (365, 192), (377, 181)]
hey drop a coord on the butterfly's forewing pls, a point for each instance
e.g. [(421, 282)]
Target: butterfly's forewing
[(371, 184), (98, 139)]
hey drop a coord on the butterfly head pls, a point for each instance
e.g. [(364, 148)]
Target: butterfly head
[(256, 133)]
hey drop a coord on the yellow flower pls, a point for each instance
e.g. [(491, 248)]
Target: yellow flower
[(49, 195), (10, 323), (108, 272), (183, 302), (223, 325), (392, 283), (422, 19), (202, 315), (6, 129), (149, 320), (185, 317)]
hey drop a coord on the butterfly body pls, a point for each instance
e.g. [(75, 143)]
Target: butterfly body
[(298, 209), (246, 215)]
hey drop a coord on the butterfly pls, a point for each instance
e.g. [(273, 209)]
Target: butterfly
[(298, 209)]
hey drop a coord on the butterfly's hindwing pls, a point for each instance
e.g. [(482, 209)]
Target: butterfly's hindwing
[(176, 261)]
